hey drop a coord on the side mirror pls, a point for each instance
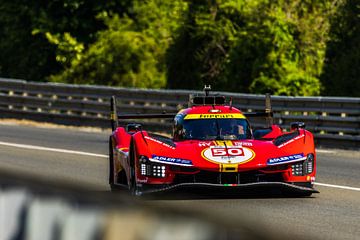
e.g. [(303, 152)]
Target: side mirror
[(133, 127), (297, 126)]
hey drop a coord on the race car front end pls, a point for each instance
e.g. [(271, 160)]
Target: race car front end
[(155, 177), (228, 165), (213, 145)]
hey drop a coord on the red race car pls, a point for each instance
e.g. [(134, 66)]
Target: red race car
[(212, 146)]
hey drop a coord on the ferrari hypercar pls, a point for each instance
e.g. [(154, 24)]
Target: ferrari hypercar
[(213, 145)]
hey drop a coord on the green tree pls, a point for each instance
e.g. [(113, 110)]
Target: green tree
[(130, 52), (342, 65), (252, 46), (198, 55), (25, 25), (23, 55), (291, 60)]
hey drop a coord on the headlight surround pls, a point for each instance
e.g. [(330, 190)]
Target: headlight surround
[(150, 169), (309, 163), (303, 168)]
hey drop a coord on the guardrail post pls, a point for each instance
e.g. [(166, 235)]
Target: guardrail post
[(113, 115)]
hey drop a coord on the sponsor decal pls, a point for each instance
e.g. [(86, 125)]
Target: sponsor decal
[(160, 142), (228, 155), (205, 144), (245, 144), (209, 116), (286, 159), (143, 180), (228, 143), (170, 160), (290, 141), (223, 143)]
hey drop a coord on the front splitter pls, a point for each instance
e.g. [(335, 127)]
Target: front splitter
[(231, 188)]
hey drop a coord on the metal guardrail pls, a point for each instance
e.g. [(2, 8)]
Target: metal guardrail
[(335, 121), (35, 209)]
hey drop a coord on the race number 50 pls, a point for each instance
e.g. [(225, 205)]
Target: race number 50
[(218, 152)]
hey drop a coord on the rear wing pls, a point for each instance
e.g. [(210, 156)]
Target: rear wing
[(115, 117), (268, 114)]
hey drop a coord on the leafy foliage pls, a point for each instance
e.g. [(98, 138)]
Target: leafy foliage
[(252, 46), (25, 24), (131, 51), (342, 65), (280, 46)]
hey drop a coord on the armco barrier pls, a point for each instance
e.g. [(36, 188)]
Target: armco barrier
[(34, 209), (335, 121)]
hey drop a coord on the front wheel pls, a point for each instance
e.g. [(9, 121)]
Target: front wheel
[(134, 188), (117, 180), (111, 166)]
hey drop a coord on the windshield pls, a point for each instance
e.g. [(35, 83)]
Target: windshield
[(216, 129)]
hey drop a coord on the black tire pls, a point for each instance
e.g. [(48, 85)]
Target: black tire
[(111, 166), (121, 177), (134, 188)]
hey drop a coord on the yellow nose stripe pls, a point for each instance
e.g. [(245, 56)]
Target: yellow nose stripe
[(229, 167), (222, 143)]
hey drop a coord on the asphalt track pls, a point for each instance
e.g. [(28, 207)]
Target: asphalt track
[(72, 156)]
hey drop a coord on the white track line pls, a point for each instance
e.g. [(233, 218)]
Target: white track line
[(324, 151), (32, 147), (337, 186)]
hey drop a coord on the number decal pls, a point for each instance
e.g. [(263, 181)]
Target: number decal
[(218, 152), (227, 152), (230, 154)]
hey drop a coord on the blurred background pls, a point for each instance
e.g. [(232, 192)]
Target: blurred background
[(53, 179), (284, 47)]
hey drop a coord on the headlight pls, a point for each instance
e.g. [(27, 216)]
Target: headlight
[(150, 169), (297, 169), (303, 168)]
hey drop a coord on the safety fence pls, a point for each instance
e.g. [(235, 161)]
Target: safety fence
[(36, 209), (335, 121)]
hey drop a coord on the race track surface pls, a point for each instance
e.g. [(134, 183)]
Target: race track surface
[(72, 156)]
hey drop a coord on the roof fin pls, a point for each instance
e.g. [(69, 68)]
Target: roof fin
[(207, 89)]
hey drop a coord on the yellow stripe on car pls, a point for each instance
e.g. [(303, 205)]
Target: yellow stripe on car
[(209, 116), (223, 143), (228, 167)]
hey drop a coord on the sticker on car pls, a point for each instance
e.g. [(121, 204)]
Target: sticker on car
[(229, 154)]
